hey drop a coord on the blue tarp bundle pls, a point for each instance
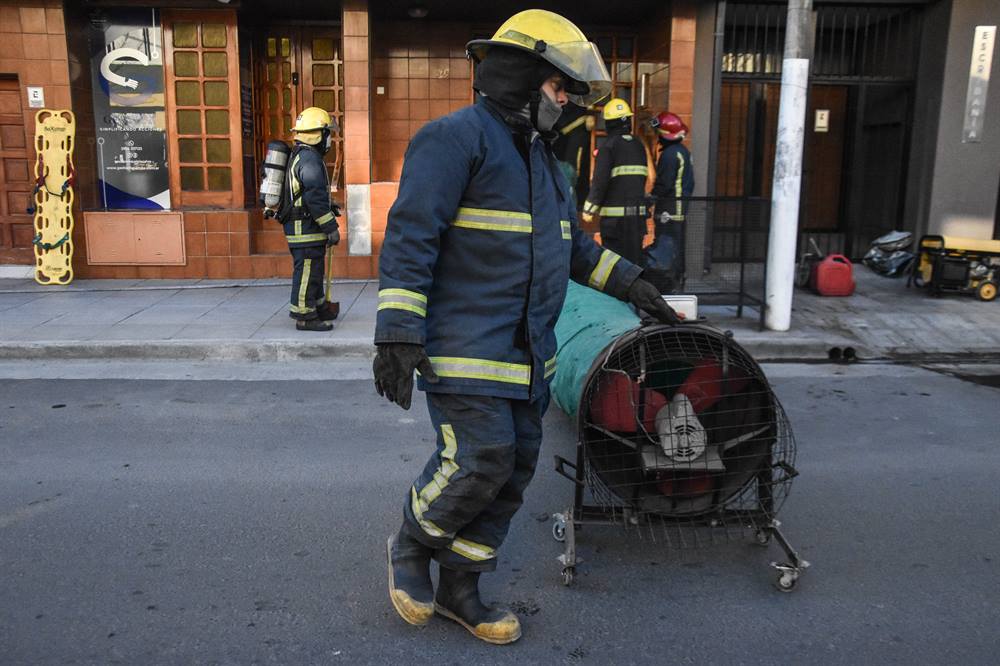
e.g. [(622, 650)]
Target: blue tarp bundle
[(589, 322)]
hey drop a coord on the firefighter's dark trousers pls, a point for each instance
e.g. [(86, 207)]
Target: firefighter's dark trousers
[(307, 281), (674, 230), (623, 236), (474, 483)]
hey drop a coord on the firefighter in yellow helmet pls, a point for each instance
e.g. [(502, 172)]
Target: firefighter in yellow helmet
[(618, 189), (310, 222), (480, 244)]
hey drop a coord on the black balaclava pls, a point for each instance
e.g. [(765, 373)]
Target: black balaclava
[(512, 78), (619, 125)]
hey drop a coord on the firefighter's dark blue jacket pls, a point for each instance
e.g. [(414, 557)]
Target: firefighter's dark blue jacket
[(674, 179), (312, 216), (477, 254)]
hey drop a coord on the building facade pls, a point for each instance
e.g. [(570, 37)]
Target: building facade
[(176, 102)]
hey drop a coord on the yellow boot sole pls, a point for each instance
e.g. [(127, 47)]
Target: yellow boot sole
[(502, 632), (414, 612)]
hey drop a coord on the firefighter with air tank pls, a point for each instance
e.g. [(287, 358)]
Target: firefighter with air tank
[(296, 190)]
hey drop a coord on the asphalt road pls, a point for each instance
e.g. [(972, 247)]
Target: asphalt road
[(208, 521)]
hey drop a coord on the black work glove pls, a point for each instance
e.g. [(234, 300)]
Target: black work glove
[(393, 368), (333, 237), (335, 208), (646, 297)]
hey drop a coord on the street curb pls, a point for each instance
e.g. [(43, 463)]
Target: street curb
[(195, 350), (289, 350)]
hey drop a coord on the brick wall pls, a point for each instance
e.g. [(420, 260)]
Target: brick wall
[(423, 74), (32, 49)]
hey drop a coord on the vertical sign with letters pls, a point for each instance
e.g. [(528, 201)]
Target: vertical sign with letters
[(129, 109), (979, 81)]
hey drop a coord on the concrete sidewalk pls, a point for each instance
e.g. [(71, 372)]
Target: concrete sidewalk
[(248, 320)]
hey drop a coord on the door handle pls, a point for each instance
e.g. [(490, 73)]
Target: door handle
[(295, 78)]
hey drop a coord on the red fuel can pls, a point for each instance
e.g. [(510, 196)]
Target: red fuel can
[(834, 276)]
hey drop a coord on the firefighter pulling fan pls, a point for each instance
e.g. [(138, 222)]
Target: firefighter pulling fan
[(680, 435)]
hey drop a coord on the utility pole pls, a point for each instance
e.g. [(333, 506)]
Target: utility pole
[(787, 179)]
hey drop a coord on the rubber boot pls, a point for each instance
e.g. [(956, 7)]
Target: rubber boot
[(329, 311), (410, 587), (313, 325), (458, 599)]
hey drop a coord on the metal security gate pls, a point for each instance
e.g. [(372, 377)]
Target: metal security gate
[(858, 122)]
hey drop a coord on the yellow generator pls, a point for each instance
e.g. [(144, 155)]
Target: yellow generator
[(964, 265)]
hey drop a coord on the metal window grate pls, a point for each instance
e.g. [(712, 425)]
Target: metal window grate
[(851, 42)]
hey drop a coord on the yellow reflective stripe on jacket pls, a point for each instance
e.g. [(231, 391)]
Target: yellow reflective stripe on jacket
[(475, 368), (679, 189), (620, 211), (589, 207), (471, 549), (567, 229), (493, 220), (296, 187), (305, 238), (323, 219), (630, 170), (573, 125), (599, 277), (402, 299), (550, 367)]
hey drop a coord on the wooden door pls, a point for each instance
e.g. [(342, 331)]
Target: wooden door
[(322, 85), (299, 67), (16, 178), (823, 161)]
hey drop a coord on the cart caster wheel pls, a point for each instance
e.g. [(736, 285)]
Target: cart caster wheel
[(987, 291), (762, 537), (567, 575), (559, 528), (786, 582)]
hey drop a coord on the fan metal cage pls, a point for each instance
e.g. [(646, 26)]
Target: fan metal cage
[(682, 437)]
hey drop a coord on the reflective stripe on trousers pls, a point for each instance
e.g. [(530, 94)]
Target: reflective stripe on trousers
[(463, 502)]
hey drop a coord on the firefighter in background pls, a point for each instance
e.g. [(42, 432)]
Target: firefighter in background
[(311, 225), (479, 246), (572, 148), (618, 191), (674, 183)]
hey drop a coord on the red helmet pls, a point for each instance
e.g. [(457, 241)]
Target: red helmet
[(669, 126)]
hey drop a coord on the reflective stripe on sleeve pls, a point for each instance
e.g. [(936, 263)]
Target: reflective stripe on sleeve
[(402, 299), (589, 207), (323, 219), (567, 229), (474, 368), (493, 220), (599, 277), (471, 550), (573, 125), (679, 189), (630, 170), (550, 367)]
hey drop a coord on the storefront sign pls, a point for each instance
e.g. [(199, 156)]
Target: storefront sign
[(979, 81), (36, 97), (127, 75)]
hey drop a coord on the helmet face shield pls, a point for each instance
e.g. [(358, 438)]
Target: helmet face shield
[(587, 79), (581, 62)]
